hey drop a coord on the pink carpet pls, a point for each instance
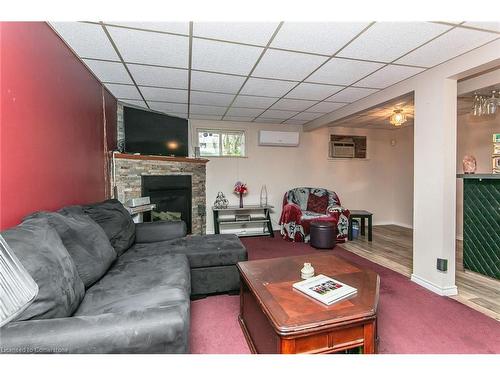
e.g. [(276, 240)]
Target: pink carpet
[(411, 319)]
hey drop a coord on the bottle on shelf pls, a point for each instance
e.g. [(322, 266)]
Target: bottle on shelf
[(263, 196)]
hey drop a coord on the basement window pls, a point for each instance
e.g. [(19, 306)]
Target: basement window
[(220, 143)]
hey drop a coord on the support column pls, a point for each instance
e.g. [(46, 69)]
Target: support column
[(434, 198)]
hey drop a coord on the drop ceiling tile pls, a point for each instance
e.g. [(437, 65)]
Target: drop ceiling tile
[(287, 65), (224, 57), (313, 91), (450, 45), (156, 76), (494, 26), (215, 82), (316, 37), (389, 75), (343, 71), (238, 118), (243, 32), (351, 94), (293, 104), (169, 27), (278, 114), (144, 47), (326, 107), (267, 87), (295, 122), (196, 109), (169, 107), (164, 95), (107, 71), (386, 41), (123, 91), (209, 98), (308, 116), (205, 117), (264, 120), (244, 112), (87, 40), (137, 103), (263, 102)]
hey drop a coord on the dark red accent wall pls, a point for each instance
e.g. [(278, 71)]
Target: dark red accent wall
[(51, 124)]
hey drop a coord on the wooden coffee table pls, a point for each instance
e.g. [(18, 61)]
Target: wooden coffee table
[(275, 318)]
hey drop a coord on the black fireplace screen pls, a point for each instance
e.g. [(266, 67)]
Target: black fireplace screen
[(172, 196)]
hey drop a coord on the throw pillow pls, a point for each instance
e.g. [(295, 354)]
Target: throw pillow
[(116, 222), (85, 241), (317, 204), (41, 251)]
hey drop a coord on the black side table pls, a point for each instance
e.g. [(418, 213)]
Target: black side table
[(361, 214)]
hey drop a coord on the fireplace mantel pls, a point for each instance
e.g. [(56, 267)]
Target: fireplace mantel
[(161, 158)]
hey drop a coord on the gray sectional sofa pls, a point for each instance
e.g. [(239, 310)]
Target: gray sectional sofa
[(108, 285)]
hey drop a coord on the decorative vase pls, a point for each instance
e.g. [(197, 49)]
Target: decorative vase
[(263, 196), (469, 164), (241, 200)]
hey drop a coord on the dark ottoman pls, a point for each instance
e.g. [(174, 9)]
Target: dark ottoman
[(323, 235)]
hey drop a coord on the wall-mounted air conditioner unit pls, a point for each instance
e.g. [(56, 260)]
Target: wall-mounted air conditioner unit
[(342, 149), (277, 138)]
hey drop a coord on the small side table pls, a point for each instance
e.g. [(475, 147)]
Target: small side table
[(361, 214)]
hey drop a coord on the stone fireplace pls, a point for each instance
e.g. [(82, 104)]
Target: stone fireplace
[(168, 181)]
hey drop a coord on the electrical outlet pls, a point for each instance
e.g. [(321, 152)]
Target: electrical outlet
[(442, 264)]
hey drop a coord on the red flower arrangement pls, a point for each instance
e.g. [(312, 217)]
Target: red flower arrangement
[(240, 188)]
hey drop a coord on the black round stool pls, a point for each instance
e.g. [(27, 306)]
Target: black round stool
[(323, 234)]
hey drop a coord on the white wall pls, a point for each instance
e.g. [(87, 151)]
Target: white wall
[(403, 178), (274, 166), (373, 184), (474, 137)]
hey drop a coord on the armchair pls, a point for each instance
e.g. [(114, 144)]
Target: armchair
[(303, 205)]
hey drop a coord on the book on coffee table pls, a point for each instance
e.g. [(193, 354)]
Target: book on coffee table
[(325, 289)]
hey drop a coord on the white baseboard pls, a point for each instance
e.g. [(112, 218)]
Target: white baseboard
[(392, 223), (446, 291), (403, 225)]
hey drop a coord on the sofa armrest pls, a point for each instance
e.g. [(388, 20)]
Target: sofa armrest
[(157, 231), (159, 330)]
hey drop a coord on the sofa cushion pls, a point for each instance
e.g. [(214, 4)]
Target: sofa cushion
[(138, 284), (85, 241), (116, 222), (41, 251), (202, 251)]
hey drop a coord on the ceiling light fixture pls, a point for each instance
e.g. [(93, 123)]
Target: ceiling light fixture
[(398, 118), (484, 105)]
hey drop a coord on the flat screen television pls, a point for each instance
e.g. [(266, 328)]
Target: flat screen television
[(151, 133)]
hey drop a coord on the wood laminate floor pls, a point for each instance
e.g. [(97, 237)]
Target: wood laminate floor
[(392, 247)]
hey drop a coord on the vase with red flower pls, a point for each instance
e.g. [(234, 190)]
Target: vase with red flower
[(240, 188)]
